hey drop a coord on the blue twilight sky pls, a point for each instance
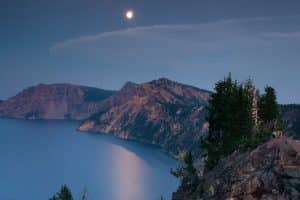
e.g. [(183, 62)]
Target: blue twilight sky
[(196, 42)]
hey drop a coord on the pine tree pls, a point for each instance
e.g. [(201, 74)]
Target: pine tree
[(186, 171), (231, 119), (268, 110), (189, 162), (63, 194), (234, 112), (84, 194)]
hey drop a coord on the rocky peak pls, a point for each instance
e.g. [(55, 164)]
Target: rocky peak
[(163, 81), (129, 85), (161, 112)]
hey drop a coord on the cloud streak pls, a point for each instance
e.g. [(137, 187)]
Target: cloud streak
[(123, 32), (159, 29), (290, 35), (148, 29)]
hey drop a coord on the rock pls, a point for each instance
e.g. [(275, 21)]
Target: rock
[(162, 112), (55, 101), (271, 171)]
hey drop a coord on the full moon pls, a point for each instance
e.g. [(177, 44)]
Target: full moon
[(129, 14)]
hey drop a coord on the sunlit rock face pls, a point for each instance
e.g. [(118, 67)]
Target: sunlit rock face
[(271, 171), (291, 117), (55, 101), (162, 112)]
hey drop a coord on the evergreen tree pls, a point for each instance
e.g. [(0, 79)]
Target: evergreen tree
[(63, 194), (189, 162), (230, 118), (186, 171), (234, 111), (84, 194), (268, 110)]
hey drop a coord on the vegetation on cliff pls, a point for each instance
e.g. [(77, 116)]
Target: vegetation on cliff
[(240, 120), (270, 171)]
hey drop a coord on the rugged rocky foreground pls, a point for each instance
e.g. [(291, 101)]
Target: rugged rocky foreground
[(271, 171), (162, 112), (56, 101)]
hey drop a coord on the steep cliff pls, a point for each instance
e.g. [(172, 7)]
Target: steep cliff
[(162, 112), (271, 171), (55, 101)]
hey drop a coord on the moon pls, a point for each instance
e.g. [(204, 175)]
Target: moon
[(129, 14)]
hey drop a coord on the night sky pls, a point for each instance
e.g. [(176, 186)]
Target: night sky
[(196, 42)]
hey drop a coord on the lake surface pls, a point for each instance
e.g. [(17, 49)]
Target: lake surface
[(37, 157)]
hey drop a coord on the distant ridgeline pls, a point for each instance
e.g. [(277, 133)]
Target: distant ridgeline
[(55, 101), (163, 112)]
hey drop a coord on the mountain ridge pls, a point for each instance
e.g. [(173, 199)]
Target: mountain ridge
[(161, 112), (54, 101)]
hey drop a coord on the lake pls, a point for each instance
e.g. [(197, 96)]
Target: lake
[(37, 157)]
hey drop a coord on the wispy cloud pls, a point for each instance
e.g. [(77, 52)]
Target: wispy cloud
[(174, 28), (250, 40), (129, 32), (290, 35), (123, 32)]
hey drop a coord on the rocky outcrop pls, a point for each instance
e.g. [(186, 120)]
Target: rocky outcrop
[(271, 171), (291, 117), (55, 101), (162, 112)]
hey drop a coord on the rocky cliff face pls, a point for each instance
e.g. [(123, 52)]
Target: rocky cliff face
[(161, 112), (56, 101), (291, 117), (271, 171)]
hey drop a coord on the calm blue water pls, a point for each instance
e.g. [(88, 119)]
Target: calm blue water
[(36, 157)]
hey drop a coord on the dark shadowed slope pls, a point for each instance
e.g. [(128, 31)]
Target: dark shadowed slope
[(291, 117), (161, 112), (55, 101)]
